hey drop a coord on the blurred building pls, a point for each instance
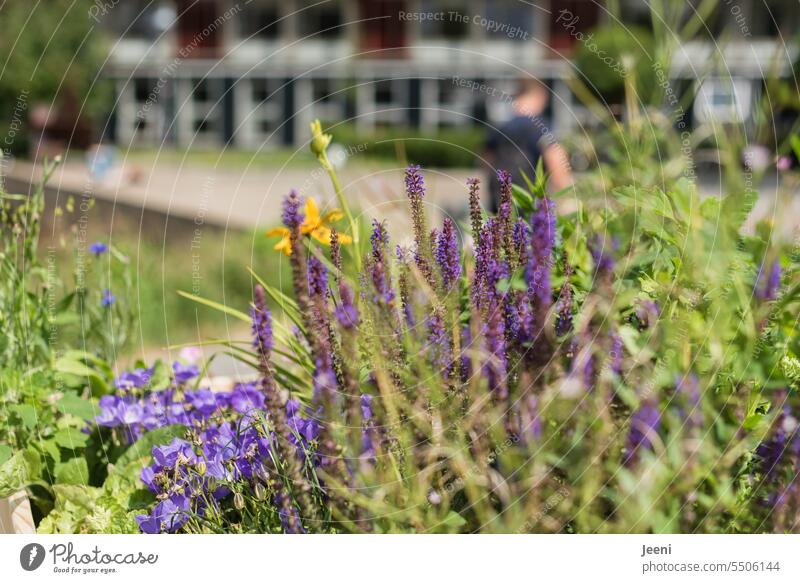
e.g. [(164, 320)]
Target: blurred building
[(254, 73)]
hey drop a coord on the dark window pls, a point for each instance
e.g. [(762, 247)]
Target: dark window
[(454, 25), (323, 90), (384, 93), (260, 22), (142, 89), (201, 91), (260, 90), (323, 21)]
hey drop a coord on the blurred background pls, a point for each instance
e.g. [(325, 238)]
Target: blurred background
[(183, 123)]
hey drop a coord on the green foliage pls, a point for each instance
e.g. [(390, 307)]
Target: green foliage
[(60, 67)]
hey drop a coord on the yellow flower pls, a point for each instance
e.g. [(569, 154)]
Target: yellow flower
[(314, 225)]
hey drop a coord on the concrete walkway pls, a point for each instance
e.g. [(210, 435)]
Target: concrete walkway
[(251, 197)]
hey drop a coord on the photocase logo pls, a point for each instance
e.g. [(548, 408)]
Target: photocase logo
[(31, 556)]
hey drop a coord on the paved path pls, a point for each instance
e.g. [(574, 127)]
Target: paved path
[(249, 198)]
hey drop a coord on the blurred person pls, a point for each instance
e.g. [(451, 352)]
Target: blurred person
[(519, 143)]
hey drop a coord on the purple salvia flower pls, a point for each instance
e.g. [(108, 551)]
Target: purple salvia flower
[(688, 390), (379, 239), (647, 313), (346, 312), (403, 286), (520, 241), (518, 317), (504, 209), (564, 316), (261, 324), (447, 254), (415, 188), (489, 269), (336, 252), (439, 343), (540, 261), (292, 215), (317, 278), (767, 286), (616, 354), (644, 428), (530, 420), (604, 262), (495, 366), (475, 216)]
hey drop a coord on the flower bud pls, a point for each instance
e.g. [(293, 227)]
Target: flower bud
[(238, 500), (319, 140), (202, 468), (260, 491)]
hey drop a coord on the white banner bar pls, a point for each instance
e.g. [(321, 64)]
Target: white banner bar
[(410, 559)]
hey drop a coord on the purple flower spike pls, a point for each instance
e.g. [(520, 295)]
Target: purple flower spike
[(346, 312), (317, 278), (379, 239), (644, 428), (767, 285), (540, 262), (496, 364), (601, 254), (415, 184), (262, 324), (438, 342), (292, 215), (447, 254)]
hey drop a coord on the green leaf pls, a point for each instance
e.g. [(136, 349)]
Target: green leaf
[(216, 305), (143, 446), (454, 519), (74, 471), (27, 413), (522, 199), (72, 404), (70, 438), (13, 475), (5, 453)]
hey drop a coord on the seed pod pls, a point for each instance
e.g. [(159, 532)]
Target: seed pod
[(238, 500)]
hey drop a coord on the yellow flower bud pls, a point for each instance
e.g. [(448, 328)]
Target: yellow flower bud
[(319, 140)]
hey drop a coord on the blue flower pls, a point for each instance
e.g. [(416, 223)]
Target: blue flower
[(98, 248), (246, 397), (184, 372), (108, 299), (135, 379)]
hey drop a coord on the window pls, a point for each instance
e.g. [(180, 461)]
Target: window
[(260, 21), (509, 20), (322, 21), (453, 26)]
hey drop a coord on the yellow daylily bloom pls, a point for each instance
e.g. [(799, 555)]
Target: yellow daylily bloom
[(285, 244), (314, 225)]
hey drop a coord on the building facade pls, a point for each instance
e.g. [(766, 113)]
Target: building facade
[(253, 73)]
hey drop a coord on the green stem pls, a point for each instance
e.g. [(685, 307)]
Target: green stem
[(337, 186)]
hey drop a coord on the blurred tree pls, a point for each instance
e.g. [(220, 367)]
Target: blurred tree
[(50, 53), (607, 53)]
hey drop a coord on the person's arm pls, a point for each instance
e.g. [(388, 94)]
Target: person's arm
[(556, 164)]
